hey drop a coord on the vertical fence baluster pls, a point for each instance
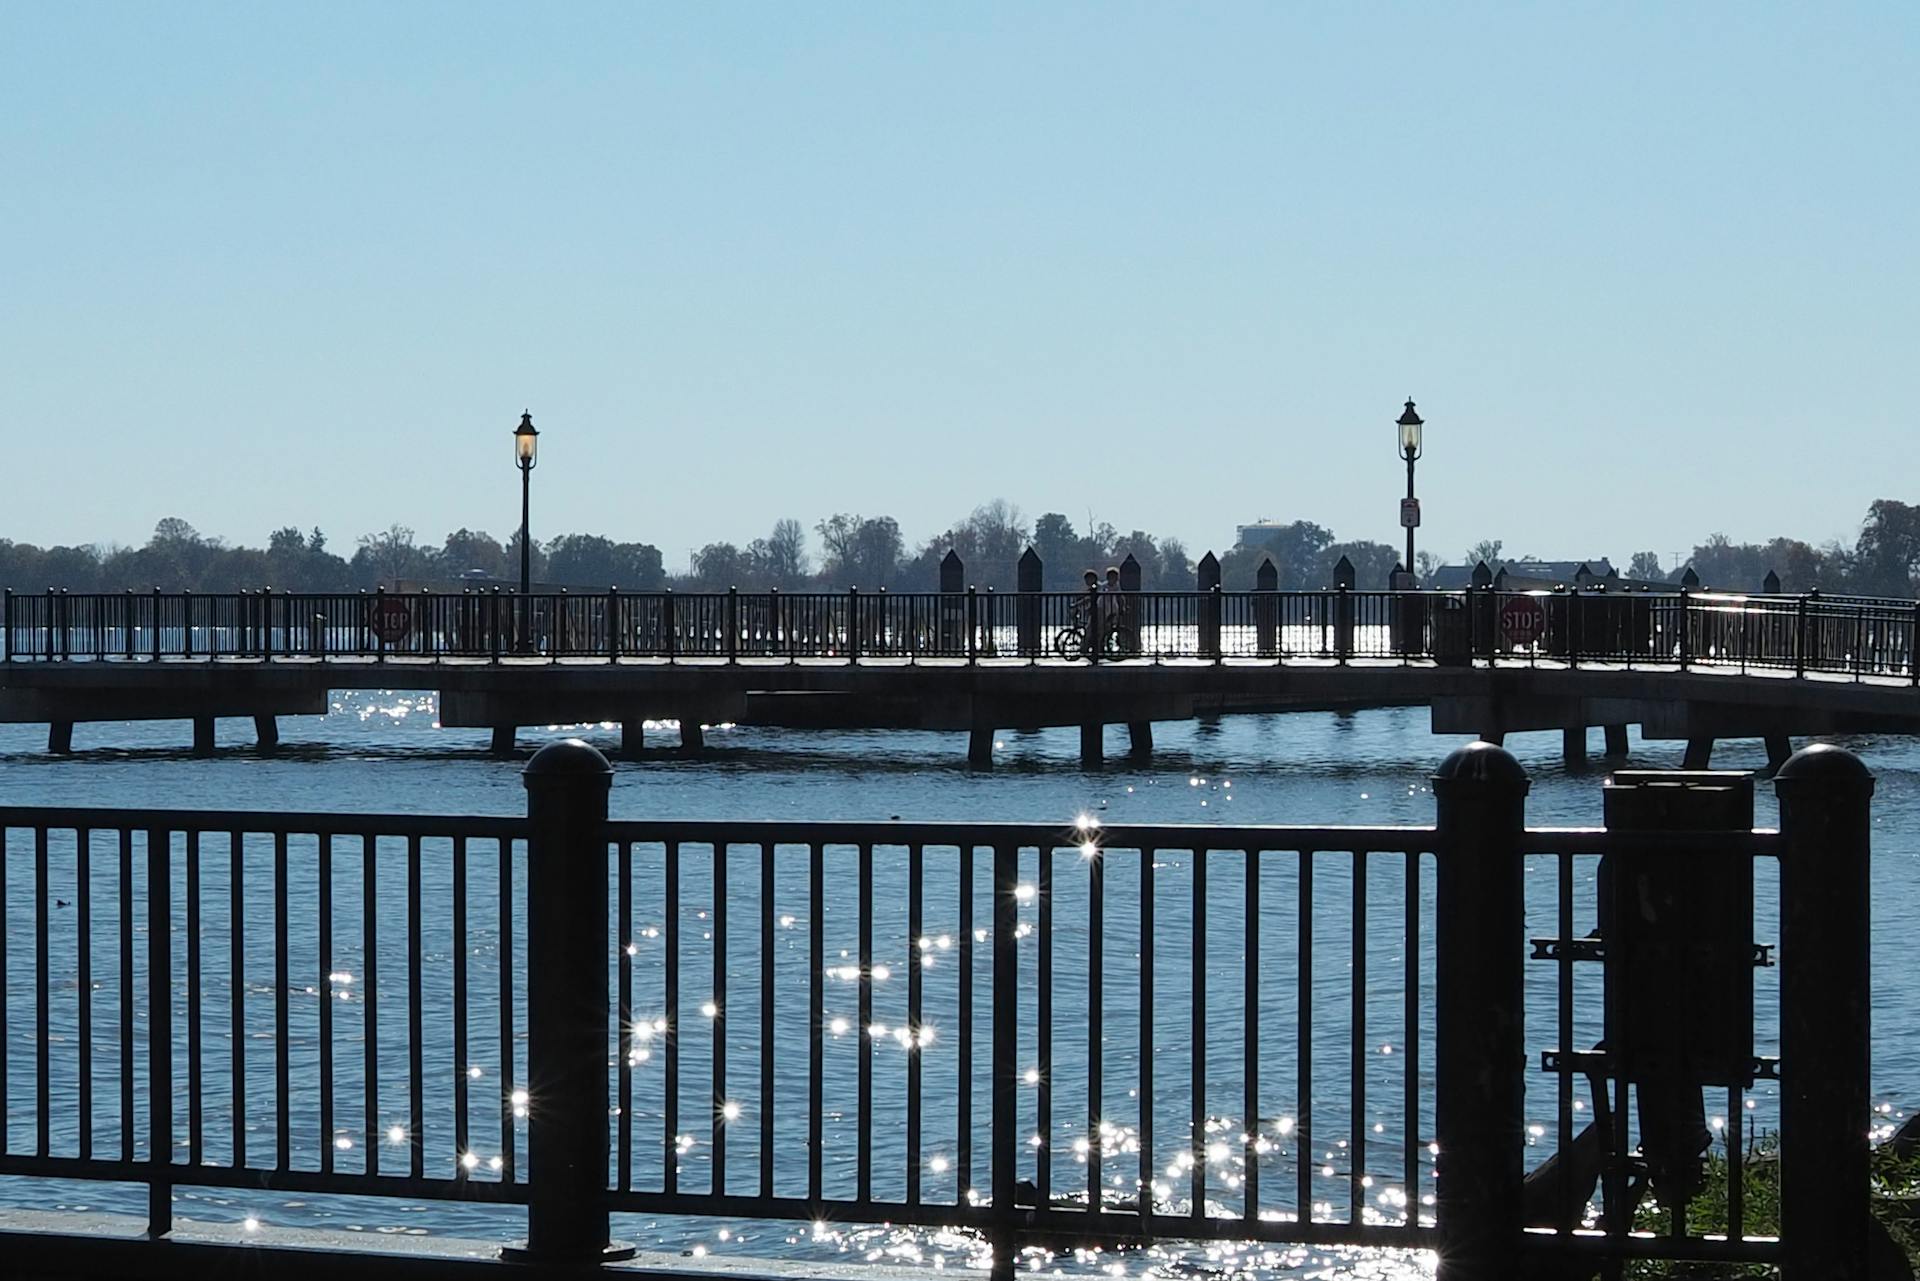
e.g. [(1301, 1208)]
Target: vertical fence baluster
[(1147, 1046), (507, 1077), (916, 963), (1410, 1065), (83, 995), (1096, 984), (1303, 1103), (1197, 1143), (1564, 1021), (1250, 1036), (670, 1111), (369, 1000), (282, 1068), (42, 1001), (127, 1065), (863, 1161), (623, 963), (195, 1102), (767, 955), (1043, 1019), (1357, 1091), (963, 1068), (1006, 1049), (816, 1019), (323, 984), (463, 1158), (416, 1023), (718, 1109), (237, 981), (159, 1031)]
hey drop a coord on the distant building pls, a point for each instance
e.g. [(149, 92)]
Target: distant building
[(1259, 533), (1538, 575)]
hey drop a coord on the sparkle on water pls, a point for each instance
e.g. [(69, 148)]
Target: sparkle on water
[(386, 752)]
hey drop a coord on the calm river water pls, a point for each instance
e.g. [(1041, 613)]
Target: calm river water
[(383, 752)]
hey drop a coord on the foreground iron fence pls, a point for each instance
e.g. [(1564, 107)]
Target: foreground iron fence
[(1846, 636), (1046, 1035)]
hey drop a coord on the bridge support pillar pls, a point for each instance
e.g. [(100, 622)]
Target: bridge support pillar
[(203, 736), (503, 739), (1779, 748), (693, 737), (60, 738), (633, 738), (1573, 746), (1699, 754), (1616, 740), (266, 732), (1498, 737), (1093, 746), (980, 748), (1140, 740)]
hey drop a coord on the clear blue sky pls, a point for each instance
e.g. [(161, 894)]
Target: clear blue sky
[(1650, 271)]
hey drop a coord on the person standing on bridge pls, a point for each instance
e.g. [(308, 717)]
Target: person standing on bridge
[(1111, 605), (1090, 606)]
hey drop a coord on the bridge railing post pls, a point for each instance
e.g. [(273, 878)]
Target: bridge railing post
[(1686, 629), (613, 624), (1913, 644), (1479, 1045), (1825, 1014), (733, 625), (567, 1011), (6, 625), (153, 629), (1004, 1132), (380, 630), (973, 625), (46, 628), (667, 624), (853, 624)]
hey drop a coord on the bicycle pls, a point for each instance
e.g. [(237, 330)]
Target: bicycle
[(1070, 642)]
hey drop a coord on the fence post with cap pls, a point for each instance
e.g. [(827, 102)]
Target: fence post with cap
[(1479, 1045), (567, 1010), (1825, 1014)]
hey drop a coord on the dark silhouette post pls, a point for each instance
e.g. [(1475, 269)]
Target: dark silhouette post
[(1825, 1023), (1343, 579), (1028, 583), (1482, 610), (1771, 583), (567, 951), (1479, 1051), (526, 456), (1266, 608), (953, 583), (1209, 583)]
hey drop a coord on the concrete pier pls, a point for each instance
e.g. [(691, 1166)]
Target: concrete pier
[(1140, 741), (1616, 740), (1779, 748), (503, 739), (1573, 746), (693, 736), (633, 738), (266, 732), (60, 738), (1699, 754), (203, 736), (980, 748), (1093, 746)]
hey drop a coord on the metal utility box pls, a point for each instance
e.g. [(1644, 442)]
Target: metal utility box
[(1677, 922)]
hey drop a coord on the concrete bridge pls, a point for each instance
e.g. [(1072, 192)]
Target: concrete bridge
[(1688, 666)]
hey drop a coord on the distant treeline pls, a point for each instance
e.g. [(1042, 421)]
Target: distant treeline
[(869, 552)]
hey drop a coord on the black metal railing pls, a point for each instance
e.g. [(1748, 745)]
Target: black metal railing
[(1841, 636), (1043, 1034)]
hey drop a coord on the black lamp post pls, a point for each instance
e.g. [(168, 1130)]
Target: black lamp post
[(1410, 449), (526, 455)]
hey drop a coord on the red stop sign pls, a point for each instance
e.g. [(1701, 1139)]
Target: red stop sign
[(391, 619), (1522, 621)]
